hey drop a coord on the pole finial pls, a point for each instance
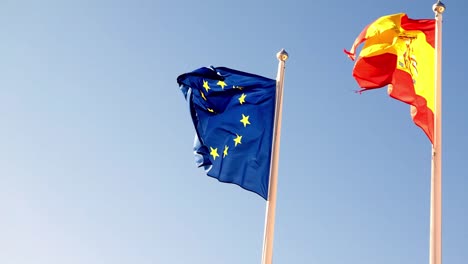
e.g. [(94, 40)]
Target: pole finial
[(282, 55), (438, 7)]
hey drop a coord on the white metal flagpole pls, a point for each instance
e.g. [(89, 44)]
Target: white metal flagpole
[(267, 254), (435, 236)]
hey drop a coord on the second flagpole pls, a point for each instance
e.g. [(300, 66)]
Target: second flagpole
[(435, 235), (267, 254)]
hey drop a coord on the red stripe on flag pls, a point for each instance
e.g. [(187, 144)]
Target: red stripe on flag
[(375, 72), (402, 89)]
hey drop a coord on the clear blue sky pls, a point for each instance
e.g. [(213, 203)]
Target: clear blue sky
[(96, 162)]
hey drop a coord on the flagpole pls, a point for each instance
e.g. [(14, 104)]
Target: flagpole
[(267, 254), (435, 236)]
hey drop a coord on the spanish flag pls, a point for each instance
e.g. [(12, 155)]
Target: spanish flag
[(399, 52)]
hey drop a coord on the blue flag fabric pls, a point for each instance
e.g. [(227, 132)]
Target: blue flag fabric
[(233, 115)]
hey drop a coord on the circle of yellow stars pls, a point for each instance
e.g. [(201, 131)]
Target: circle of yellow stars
[(245, 118)]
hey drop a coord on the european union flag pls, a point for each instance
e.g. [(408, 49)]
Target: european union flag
[(233, 115)]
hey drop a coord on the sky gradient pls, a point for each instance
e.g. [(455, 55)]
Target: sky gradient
[(96, 162)]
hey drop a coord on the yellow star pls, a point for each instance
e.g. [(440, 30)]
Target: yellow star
[(225, 152), (242, 98), (222, 84), (245, 120), (214, 153), (203, 95), (210, 110), (237, 140), (206, 86)]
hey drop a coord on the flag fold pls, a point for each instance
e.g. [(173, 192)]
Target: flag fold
[(233, 116)]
